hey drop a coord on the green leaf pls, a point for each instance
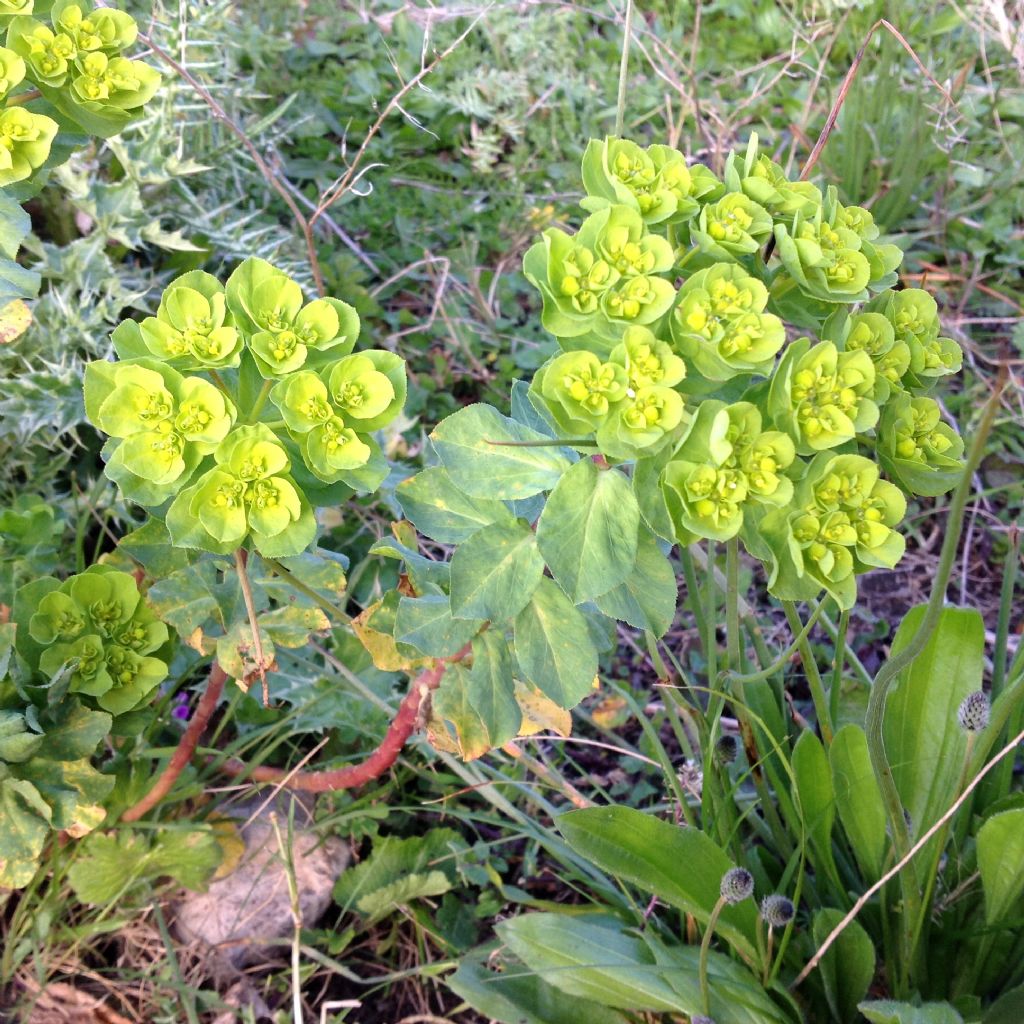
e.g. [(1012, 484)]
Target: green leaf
[(814, 788), (553, 647), (649, 852), (595, 958), (588, 531), (401, 870), (1001, 862), (465, 444), (646, 599), (24, 825), (516, 997), (441, 511), (109, 864), (924, 744), (885, 1011), (150, 545), (858, 798), (192, 597), (495, 572), (16, 282), (426, 623), (1007, 1009), (15, 224), (480, 701), (848, 967)]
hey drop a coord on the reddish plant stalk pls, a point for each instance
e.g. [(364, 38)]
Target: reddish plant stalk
[(402, 726), (186, 746)]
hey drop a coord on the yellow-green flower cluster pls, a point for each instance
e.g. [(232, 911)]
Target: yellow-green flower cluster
[(97, 627), (77, 62), (841, 523), (255, 348)]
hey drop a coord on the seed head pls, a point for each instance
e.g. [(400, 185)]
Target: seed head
[(777, 910), (737, 885), (727, 749), (691, 777), (973, 713)]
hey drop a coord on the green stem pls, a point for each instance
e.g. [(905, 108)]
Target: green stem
[(261, 400), (23, 98), (851, 656), (814, 682), (835, 688), (289, 577), (693, 594), (888, 673), (711, 646), (1010, 569), (783, 659), (705, 948), (627, 36), (732, 608)]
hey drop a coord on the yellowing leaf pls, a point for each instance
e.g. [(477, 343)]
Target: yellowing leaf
[(541, 713), (611, 712), (15, 320)]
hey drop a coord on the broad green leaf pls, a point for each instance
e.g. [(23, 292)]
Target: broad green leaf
[(1007, 1009), (858, 798), (651, 853), (109, 864), (588, 531), (237, 653), (553, 647), (150, 545), (480, 702), (15, 224), (495, 572), (924, 744), (1001, 862), (595, 958), (885, 1011), (24, 825), (191, 597), (441, 511), (426, 623), (814, 788), (474, 446), (292, 624), (17, 282), (517, 997), (646, 599), (848, 967), (401, 870)]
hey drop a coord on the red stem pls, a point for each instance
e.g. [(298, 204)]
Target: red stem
[(186, 746), (401, 728)]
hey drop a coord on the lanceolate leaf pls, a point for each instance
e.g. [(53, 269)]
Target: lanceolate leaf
[(651, 854), (553, 647), (858, 798), (922, 741), (595, 958), (588, 531), (848, 966), (495, 573), (473, 445), (1001, 863)]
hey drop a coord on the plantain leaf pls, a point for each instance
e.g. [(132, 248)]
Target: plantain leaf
[(858, 798)]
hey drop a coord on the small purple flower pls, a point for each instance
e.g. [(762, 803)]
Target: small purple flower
[(180, 710)]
